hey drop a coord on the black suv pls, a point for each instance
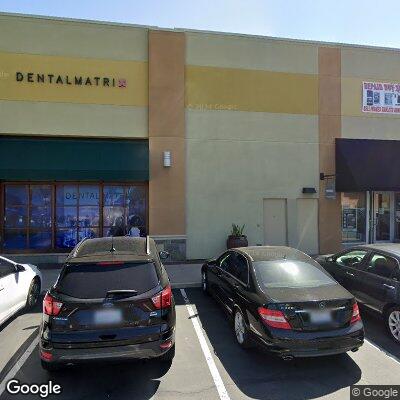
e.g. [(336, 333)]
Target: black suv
[(111, 301)]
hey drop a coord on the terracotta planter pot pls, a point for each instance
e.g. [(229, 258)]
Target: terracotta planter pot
[(236, 241)]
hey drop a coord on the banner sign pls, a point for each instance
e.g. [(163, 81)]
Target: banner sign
[(381, 97)]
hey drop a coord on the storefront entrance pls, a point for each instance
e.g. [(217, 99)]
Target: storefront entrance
[(370, 217)]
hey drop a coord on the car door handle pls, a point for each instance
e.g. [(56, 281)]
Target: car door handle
[(349, 273), (388, 286)]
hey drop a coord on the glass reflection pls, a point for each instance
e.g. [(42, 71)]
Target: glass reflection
[(40, 240), (16, 194), (113, 195), (67, 216), (40, 217), (66, 238), (15, 239), (67, 195), (15, 216), (89, 195), (41, 195)]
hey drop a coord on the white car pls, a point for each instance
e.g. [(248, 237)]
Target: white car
[(20, 286)]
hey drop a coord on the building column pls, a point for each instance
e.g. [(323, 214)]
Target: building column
[(330, 127), (167, 206)]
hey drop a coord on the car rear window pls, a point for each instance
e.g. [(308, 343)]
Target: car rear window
[(93, 281), (290, 273)]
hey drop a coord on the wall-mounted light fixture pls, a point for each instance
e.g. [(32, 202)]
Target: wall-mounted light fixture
[(167, 158)]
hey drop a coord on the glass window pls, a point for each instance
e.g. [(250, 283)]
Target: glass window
[(125, 211), (113, 195), (352, 258), (238, 267), (93, 281), (15, 239), (40, 239), (89, 195), (353, 217), (78, 208), (17, 194), (287, 273), (30, 222), (382, 265), (6, 268)]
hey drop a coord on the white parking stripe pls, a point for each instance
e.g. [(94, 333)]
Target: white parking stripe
[(17, 366), (393, 357), (223, 394)]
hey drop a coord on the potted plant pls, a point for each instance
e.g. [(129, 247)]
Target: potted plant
[(236, 238)]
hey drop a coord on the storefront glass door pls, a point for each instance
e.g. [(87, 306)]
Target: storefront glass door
[(383, 213)]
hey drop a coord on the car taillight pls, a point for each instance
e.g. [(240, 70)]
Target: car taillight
[(51, 306), (356, 314), (163, 299), (273, 318)]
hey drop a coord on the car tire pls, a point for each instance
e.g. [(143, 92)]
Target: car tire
[(49, 366), (240, 330), (169, 355), (33, 294), (392, 320), (204, 283)]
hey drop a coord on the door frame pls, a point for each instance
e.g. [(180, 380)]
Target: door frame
[(373, 217)]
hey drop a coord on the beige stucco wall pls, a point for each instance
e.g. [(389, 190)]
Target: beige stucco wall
[(249, 52), (248, 138), (235, 160), (78, 42)]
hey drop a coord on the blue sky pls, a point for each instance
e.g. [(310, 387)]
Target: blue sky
[(352, 21)]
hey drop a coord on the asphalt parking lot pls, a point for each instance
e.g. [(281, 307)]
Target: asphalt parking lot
[(229, 372)]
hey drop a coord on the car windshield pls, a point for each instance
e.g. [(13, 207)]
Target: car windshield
[(93, 281), (290, 273)]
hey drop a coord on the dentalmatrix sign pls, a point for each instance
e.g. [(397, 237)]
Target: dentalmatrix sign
[(48, 78), (76, 80), (381, 97)]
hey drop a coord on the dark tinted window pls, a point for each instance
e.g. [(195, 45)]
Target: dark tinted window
[(93, 281), (238, 267), (288, 273), (6, 268), (382, 265)]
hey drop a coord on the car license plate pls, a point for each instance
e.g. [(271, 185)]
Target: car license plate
[(107, 317), (320, 317)]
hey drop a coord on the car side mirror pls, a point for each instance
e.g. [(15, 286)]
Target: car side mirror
[(329, 259), (163, 254), (19, 268)]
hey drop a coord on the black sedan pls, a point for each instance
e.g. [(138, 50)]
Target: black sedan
[(372, 274), (282, 299)]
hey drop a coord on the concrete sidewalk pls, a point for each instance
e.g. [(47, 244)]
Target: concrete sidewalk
[(181, 275)]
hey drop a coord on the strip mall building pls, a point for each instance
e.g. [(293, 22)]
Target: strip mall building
[(109, 128)]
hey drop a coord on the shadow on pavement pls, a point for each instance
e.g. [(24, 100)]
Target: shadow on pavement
[(260, 375), (376, 332), (128, 380)]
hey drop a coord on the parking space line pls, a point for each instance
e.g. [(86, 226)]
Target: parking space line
[(223, 394), (17, 366), (393, 357)]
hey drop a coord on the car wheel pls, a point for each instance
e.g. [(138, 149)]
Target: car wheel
[(169, 355), (204, 283), (49, 366), (393, 323), (33, 293), (240, 329)]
